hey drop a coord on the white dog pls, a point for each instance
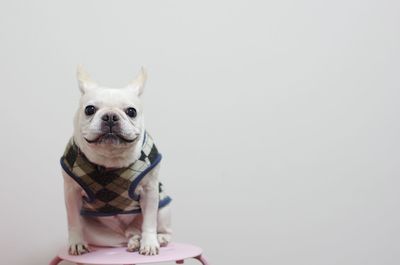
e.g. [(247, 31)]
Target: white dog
[(110, 167)]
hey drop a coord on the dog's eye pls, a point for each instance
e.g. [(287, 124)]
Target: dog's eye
[(131, 112), (90, 110)]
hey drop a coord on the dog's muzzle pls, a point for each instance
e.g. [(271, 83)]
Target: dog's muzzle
[(110, 123), (110, 131)]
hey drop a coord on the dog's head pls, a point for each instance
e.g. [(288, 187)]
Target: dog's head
[(109, 123)]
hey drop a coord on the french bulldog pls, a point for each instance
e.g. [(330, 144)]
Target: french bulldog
[(113, 196)]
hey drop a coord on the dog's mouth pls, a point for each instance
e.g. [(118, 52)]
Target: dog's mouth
[(110, 138)]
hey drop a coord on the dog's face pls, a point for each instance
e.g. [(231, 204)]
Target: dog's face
[(110, 116), (109, 121)]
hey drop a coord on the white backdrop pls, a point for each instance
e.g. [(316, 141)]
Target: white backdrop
[(278, 121)]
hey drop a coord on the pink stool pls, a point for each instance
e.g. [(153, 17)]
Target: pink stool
[(177, 252)]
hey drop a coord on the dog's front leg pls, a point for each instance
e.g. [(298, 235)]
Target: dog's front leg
[(149, 199), (73, 202)]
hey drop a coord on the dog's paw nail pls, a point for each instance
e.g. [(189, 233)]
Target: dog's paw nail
[(78, 249), (149, 249)]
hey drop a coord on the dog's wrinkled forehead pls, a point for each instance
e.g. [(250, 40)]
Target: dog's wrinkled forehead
[(111, 98)]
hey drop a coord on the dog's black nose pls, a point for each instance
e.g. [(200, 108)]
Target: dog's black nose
[(110, 122), (111, 117)]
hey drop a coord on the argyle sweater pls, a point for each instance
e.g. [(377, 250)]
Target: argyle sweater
[(112, 191)]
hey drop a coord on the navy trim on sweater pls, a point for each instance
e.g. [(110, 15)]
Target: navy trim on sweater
[(135, 183), (88, 191)]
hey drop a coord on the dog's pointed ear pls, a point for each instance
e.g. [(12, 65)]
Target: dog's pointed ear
[(84, 80), (138, 84)]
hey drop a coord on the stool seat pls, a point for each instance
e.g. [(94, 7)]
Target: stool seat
[(107, 255)]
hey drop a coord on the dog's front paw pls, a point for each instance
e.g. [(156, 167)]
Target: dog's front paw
[(149, 244), (77, 245), (78, 248)]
